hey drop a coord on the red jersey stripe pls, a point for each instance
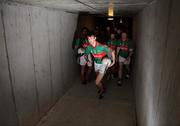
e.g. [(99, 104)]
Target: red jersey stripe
[(125, 48), (99, 55)]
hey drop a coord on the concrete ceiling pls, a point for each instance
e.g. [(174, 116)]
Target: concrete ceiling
[(91, 6)]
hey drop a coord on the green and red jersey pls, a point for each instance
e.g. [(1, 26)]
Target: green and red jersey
[(98, 52), (124, 48), (112, 44), (81, 42)]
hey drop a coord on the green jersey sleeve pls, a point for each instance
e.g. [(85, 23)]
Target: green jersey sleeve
[(118, 43), (77, 42), (88, 50)]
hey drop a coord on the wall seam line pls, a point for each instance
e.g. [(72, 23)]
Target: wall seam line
[(9, 66), (50, 59), (34, 65)]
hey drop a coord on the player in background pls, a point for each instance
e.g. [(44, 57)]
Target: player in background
[(80, 46), (124, 53)]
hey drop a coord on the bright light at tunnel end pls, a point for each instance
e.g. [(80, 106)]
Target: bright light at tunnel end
[(110, 18)]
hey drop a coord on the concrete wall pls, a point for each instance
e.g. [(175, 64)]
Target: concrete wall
[(36, 61), (7, 106), (157, 66)]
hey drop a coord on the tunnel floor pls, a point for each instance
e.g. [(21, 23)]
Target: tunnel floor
[(80, 106)]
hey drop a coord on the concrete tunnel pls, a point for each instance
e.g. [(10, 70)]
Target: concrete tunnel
[(39, 78)]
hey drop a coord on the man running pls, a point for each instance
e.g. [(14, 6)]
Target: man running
[(99, 52), (81, 44), (124, 53), (111, 43)]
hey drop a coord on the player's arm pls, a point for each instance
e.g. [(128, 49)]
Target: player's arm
[(118, 44), (131, 49), (112, 53), (77, 43), (118, 48), (130, 52), (87, 55), (113, 58)]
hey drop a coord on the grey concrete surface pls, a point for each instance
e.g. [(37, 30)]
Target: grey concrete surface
[(41, 55), (80, 106), (36, 57), (92, 6), (18, 38), (157, 64), (56, 54), (38, 42), (7, 106)]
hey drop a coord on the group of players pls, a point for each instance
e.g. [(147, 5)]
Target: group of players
[(107, 53)]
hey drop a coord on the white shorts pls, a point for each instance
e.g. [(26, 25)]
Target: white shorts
[(101, 68), (124, 60), (83, 62)]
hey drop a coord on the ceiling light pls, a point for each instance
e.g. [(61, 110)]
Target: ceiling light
[(110, 18), (111, 10)]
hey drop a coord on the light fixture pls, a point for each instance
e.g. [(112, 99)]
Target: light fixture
[(111, 10), (110, 18)]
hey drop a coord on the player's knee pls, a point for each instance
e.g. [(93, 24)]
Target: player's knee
[(97, 82)]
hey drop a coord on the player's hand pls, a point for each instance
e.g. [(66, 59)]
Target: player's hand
[(89, 63), (112, 64), (127, 59)]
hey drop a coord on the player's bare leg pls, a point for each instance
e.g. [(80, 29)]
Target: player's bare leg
[(83, 75), (89, 69), (128, 71), (100, 85)]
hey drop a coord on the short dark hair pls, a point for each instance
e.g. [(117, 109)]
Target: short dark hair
[(91, 34), (84, 28)]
